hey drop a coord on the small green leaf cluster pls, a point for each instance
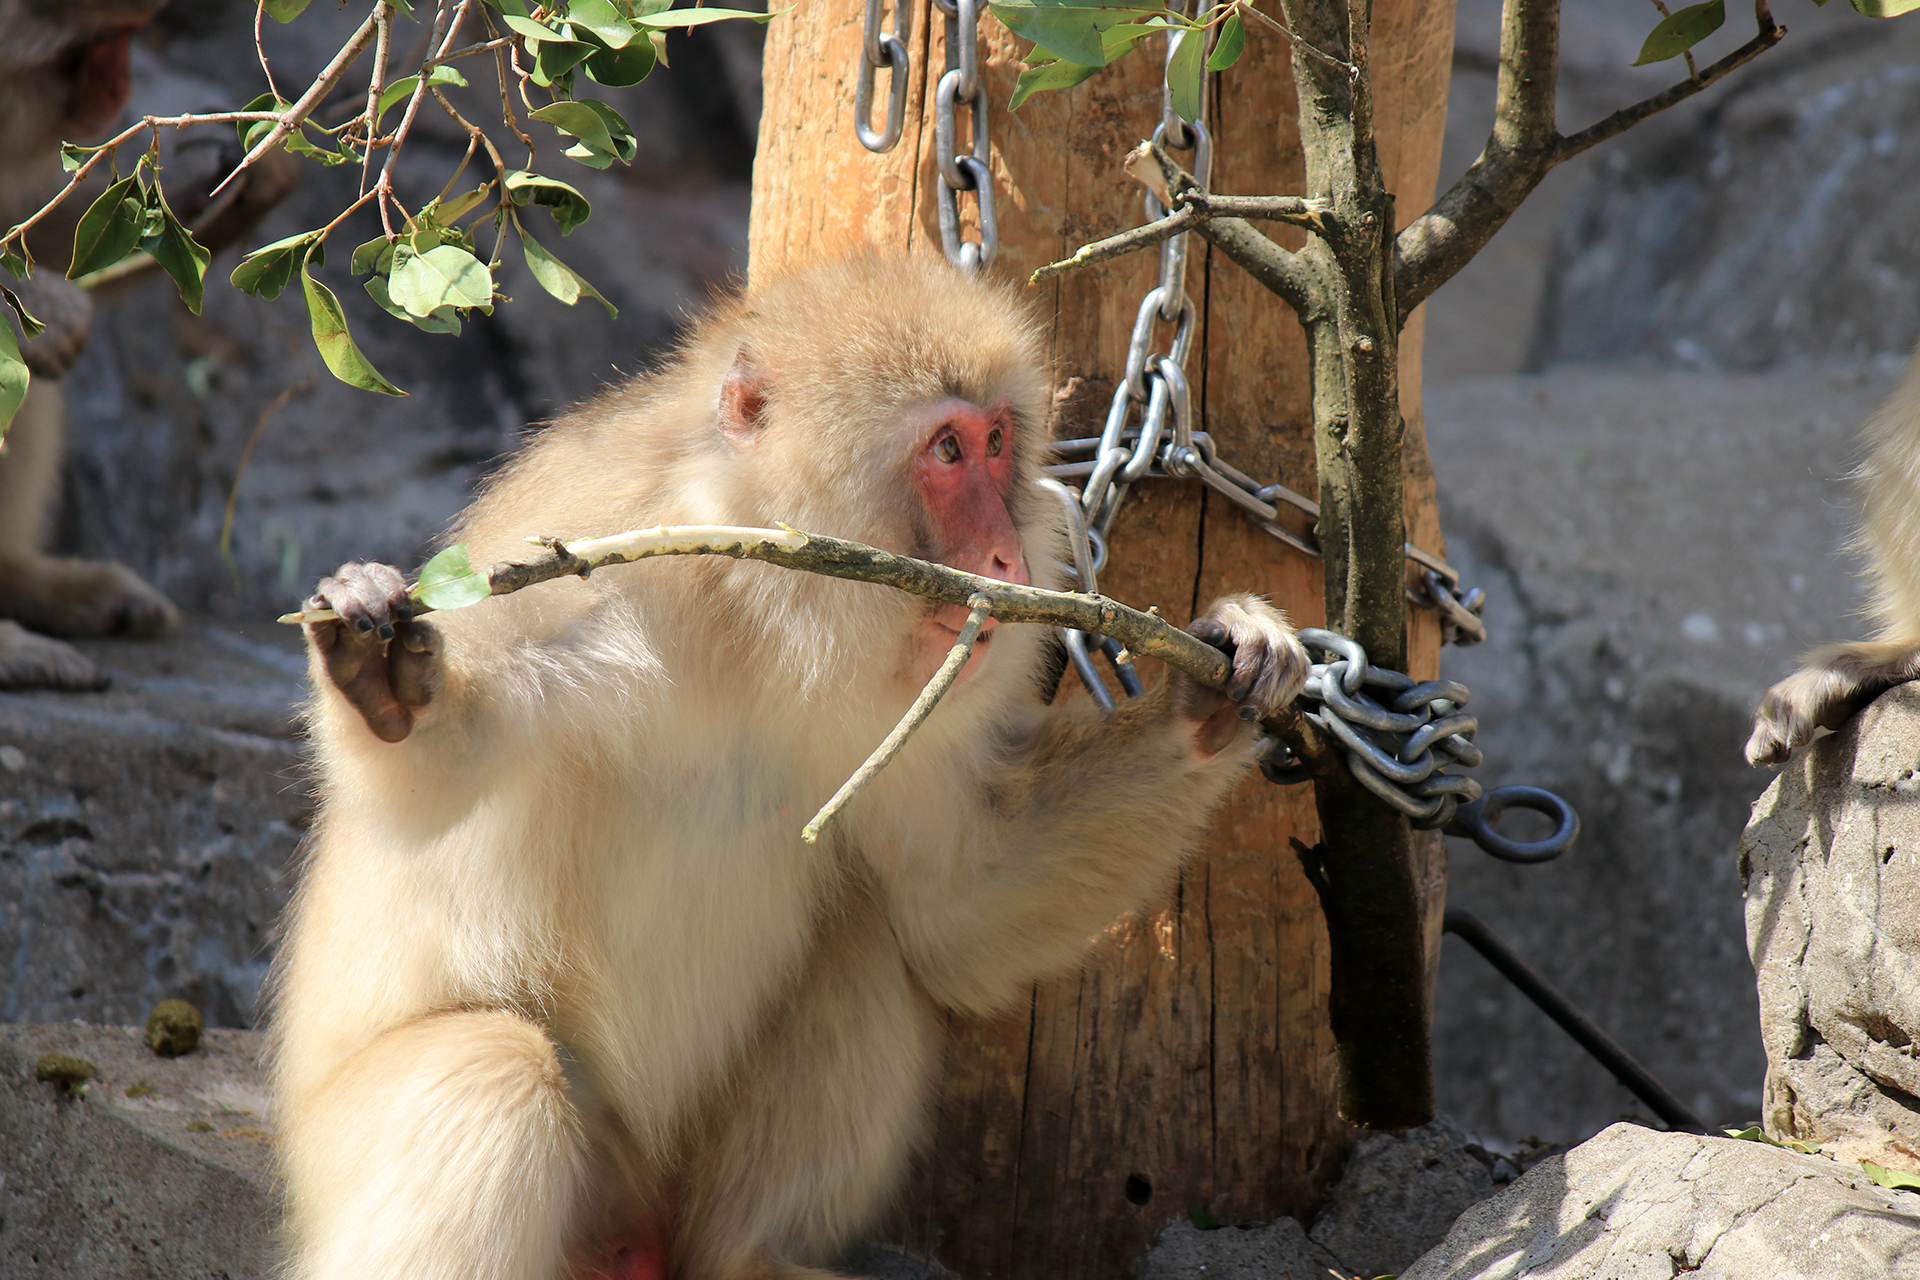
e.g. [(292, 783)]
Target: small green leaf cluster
[(1072, 41), (427, 269)]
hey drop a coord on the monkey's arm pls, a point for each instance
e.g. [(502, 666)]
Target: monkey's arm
[(1088, 819), (1836, 683)]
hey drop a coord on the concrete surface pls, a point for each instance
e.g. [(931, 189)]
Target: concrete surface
[(147, 834), (1831, 862), (1632, 1204), (156, 1169)]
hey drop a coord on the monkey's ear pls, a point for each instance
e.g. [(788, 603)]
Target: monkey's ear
[(744, 393)]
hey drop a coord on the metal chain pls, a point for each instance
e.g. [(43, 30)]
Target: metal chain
[(1400, 744), (889, 51), (963, 171)]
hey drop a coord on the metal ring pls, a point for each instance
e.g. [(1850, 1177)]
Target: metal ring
[(1383, 762), (953, 166), (1475, 821), (969, 50), (1427, 692), (1394, 796), (1076, 642)]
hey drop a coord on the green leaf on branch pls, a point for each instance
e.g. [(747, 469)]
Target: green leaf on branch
[(1043, 75), (441, 320), (618, 68), (29, 325), (1891, 1179), (1233, 42), (1884, 8), (72, 156), (285, 10), (403, 88), (336, 345), (375, 255), (557, 278), (446, 276), (1186, 73), (668, 18), (602, 19), (177, 252), (1680, 30), (1073, 33), (266, 271), (14, 377), (448, 581), (568, 206), (604, 137), (110, 229)]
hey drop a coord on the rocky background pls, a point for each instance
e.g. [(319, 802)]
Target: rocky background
[(1642, 401)]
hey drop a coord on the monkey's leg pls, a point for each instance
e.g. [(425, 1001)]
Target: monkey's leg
[(446, 1149), (45, 593), (819, 1135), (1835, 684)]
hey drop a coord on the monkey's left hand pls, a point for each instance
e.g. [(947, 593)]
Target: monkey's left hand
[(385, 663), (1269, 666)]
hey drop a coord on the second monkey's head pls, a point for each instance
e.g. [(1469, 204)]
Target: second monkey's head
[(897, 403)]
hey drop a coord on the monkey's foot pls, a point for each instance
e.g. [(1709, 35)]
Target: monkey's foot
[(1835, 684), (82, 598), (28, 661)]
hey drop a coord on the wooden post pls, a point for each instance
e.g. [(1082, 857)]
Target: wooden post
[(1190, 1066)]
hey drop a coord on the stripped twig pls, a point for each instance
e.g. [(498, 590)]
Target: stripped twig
[(916, 715)]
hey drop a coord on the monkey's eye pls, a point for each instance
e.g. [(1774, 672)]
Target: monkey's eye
[(947, 449), (993, 443)]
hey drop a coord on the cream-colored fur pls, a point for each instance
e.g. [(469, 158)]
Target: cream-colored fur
[(1839, 679), (587, 850)]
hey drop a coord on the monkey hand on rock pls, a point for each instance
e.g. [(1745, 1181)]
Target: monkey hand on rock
[(386, 664), (1269, 667)]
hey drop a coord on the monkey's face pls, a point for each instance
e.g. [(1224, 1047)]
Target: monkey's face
[(963, 473)]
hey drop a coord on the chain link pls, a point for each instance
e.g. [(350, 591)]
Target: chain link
[(890, 51), (1399, 742), (971, 170)]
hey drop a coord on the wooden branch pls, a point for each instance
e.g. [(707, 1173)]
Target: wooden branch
[(1279, 270), (1141, 632), (1129, 241), (916, 715), (1524, 146)]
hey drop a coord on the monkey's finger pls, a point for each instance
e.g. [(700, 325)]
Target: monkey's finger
[(414, 665)]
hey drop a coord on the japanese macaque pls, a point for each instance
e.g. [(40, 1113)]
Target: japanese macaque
[(563, 992), (1839, 679), (63, 76)]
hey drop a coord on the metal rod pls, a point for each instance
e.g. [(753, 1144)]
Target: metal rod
[(1586, 1032)]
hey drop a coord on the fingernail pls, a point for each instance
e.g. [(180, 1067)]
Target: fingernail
[(362, 625), (1249, 714), (386, 631)]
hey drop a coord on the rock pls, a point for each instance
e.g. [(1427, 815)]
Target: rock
[(1398, 1195), (1658, 546), (1766, 221), (1831, 862), (153, 1169), (1395, 1200), (1633, 1204), (1276, 1251), (147, 833)]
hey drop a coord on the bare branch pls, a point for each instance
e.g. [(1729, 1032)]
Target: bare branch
[(1525, 146), (1297, 210), (1287, 33), (1129, 241), (1277, 269), (916, 715), (295, 115)]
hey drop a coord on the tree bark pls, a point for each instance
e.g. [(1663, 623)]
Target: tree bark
[(1191, 1064)]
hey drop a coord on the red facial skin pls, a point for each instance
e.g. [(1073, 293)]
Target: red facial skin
[(963, 472)]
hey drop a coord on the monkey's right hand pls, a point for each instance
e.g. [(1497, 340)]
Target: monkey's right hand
[(381, 660)]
